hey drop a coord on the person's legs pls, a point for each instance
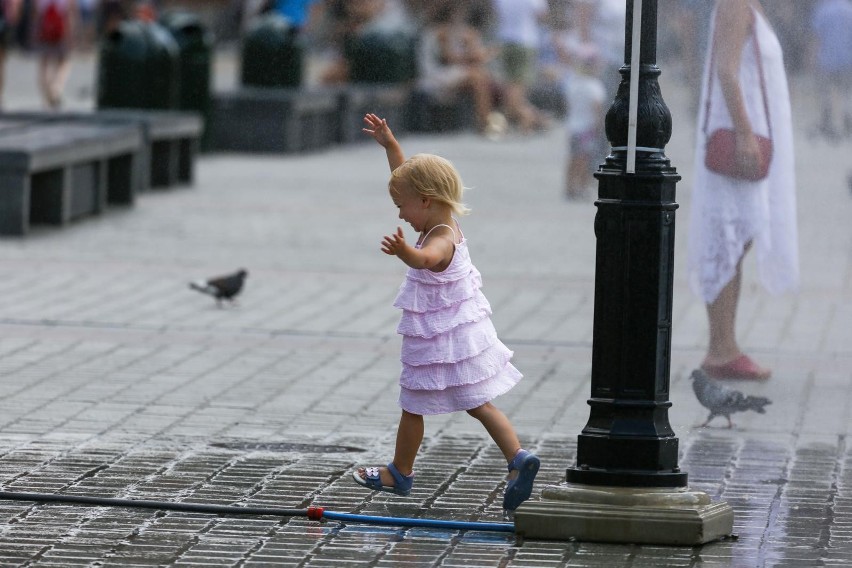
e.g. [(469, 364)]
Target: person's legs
[(517, 62), (499, 428), (579, 179), (2, 72), (722, 315), (479, 84), (61, 68), (523, 466), (44, 78), (409, 436), (724, 356)]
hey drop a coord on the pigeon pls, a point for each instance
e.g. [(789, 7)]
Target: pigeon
[(222, 287), (721, 400)]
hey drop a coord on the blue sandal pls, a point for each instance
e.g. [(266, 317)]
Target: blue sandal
[(519, 489), (373, 480)]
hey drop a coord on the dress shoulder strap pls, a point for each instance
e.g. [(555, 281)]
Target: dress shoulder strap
[(422, 240)]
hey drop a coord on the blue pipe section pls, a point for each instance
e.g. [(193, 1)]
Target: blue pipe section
[(313, 513), (426, 523)]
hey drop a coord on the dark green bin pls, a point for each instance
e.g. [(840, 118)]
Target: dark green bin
[(138, 68), (271, 54), (195, 61), (380, 57)]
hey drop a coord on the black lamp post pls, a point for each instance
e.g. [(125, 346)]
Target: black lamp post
[(626, 485), (628, 441)]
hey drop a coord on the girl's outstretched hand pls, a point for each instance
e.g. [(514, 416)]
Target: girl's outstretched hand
[(378, 128), (394, 244)]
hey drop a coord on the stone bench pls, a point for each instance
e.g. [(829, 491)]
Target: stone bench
[(429, 113), (53, 172), (255, 119), (171, 139)]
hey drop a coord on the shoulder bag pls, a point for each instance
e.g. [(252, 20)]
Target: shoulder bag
[(721, 151)]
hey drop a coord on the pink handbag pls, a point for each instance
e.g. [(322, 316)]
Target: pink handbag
[(721, 150)]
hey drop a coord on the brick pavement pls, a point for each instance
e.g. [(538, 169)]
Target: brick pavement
[(117, 380)]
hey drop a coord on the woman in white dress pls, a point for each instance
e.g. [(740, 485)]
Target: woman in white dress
[(730, 216)]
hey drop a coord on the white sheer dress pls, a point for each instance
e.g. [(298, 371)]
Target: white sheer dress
[(726, 213)]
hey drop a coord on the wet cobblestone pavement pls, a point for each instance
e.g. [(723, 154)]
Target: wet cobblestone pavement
[(117, 381)]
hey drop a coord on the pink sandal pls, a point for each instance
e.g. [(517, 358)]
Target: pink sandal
[(743, 367)]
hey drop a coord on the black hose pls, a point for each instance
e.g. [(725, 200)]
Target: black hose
[(225, 510)]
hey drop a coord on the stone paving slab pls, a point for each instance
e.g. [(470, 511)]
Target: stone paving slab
[(117, 380)]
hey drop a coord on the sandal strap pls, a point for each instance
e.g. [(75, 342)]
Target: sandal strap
[(402, 482), (517, 460)]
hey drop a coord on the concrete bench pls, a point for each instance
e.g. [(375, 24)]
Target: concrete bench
[(53, 172), (428, 113), (274, 120), (170, 140)]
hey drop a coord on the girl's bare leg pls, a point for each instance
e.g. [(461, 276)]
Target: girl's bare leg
[(499, 428), (409, 436)]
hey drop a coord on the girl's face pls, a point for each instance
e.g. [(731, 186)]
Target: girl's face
[(413, 208)]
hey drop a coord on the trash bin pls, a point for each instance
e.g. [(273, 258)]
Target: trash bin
[(195, 61), (195, 47), (272, 56), (138, 68), (381, 57)]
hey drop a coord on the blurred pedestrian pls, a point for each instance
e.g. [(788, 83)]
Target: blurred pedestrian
[(746, 90), (10, 14), (298, 12), (452, 58), (110, 15), (518, 31), (691, 19), (586, 96), (602, 22), (55, 23), (349, 20), (452, 359), (832, 30), (87, 31)]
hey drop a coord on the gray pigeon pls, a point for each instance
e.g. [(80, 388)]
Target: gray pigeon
[(721, 400), (222, 287)]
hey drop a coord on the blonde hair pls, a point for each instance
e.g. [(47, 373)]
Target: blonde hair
[(433, 177)]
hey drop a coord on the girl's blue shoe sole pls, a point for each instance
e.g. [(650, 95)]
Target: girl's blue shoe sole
[(519, 489)]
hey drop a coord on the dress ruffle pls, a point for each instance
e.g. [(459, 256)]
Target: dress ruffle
[(438, 376), (455, 399), (457, 344), (430, 324), (421, 297)]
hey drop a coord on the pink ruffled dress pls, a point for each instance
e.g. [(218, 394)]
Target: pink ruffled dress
[(452, 359)]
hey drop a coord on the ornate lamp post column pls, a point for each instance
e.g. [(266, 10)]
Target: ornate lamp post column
[(628, 439), (626, 485)]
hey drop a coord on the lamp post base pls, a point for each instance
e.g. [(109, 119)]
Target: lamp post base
[(636, 515)]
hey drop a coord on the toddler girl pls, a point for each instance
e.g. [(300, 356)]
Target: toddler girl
[(451, 356)]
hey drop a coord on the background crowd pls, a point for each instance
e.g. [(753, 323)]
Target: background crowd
[(505, 52)]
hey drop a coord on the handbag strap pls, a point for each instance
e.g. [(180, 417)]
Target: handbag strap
[(762, 83)]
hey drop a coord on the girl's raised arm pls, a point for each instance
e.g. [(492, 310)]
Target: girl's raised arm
[(380, 131)]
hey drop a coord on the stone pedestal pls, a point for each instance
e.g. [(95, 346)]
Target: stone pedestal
[(677, 516)]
